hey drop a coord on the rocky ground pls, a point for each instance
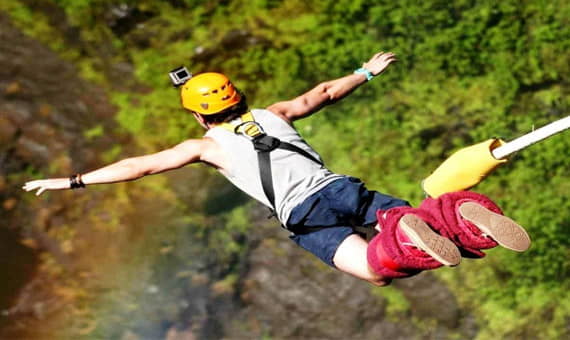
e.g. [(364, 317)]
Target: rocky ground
[(290, 295), (45, 109)]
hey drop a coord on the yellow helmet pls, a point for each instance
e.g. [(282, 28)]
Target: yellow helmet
[(209, 93)]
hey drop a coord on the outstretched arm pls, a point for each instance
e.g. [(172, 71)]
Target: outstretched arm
[(331, 91), (129, 169)]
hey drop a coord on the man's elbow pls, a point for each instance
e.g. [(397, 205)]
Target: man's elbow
[(135, 169)]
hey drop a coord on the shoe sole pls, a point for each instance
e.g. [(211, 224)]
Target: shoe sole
[(436, 246), (502, 229)]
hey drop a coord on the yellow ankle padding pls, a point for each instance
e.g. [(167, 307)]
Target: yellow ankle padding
[(463, 169)]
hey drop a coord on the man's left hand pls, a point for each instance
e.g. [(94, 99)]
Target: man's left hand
[(379, 62)]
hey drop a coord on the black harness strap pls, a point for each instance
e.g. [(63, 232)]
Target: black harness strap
[(266, 175), (294, 148), (263, 145)]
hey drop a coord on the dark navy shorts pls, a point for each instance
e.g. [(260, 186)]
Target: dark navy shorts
[(332, 211)]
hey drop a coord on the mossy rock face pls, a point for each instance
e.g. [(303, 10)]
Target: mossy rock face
[(7, 131), (288, 293), (44, 109)]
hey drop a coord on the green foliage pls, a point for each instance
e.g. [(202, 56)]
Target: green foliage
[(396, 303), (94, 132)]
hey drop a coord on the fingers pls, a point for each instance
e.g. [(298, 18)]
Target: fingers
[(42, 185), (31, 186), (388, 57), (382, 59), (379, 62), (39, 185), (391, 60), (377, 55)]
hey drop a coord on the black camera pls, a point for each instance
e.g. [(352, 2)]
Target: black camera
[(179, 76)]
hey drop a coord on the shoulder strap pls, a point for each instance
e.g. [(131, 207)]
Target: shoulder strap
[(263, 145), (247, 127)]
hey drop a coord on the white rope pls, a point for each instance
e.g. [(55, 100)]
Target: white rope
[(531, 138)]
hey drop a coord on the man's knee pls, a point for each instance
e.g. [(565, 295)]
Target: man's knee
[(380, 281)]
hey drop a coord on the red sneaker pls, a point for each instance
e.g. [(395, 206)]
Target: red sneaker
[(500, 228), (416, 233), (406, 244), (474, 222)]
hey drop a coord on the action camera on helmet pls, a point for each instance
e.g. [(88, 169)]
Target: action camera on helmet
[(179, 76)]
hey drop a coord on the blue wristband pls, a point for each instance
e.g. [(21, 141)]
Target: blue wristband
[(364, 71)]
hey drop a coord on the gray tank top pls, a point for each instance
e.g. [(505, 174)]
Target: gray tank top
[(295, 177)]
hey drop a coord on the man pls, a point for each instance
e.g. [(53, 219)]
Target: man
[(261, 153)]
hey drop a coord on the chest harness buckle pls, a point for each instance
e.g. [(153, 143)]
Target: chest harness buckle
[(264, 144)]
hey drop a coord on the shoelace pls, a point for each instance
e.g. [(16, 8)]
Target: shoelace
[(410, 244), (378, 226)]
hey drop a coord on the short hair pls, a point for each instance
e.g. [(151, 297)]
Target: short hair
[(228, 114)]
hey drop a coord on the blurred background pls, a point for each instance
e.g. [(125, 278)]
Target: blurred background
[(183, 255)]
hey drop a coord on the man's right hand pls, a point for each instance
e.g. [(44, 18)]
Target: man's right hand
[(42, 185)]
